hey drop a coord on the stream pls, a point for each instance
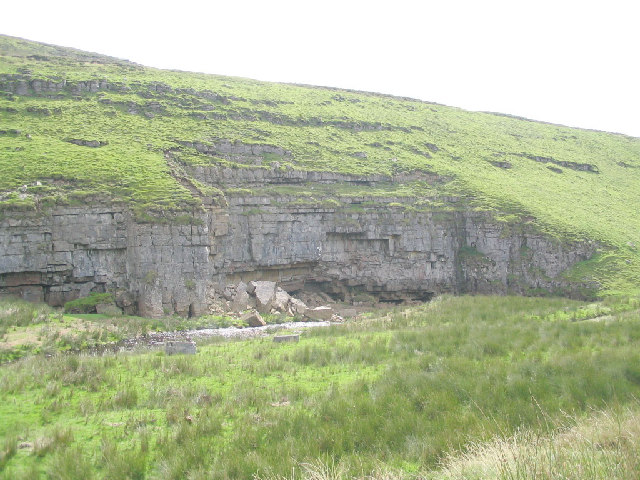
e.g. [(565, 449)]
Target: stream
[(158, 339)]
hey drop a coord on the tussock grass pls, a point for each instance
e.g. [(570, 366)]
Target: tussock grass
[(9, 449), (396, 396), (51, 441), (15, 312), (603, 445)]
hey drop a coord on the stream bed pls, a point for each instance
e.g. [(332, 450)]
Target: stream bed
[(159, 339)]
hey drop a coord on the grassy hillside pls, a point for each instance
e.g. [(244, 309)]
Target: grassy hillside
[(570, 183)]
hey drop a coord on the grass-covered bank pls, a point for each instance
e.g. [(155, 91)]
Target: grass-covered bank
[(400, 393), (34, 328)]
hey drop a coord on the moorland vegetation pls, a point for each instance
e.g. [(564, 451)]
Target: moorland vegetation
[(462, 387)]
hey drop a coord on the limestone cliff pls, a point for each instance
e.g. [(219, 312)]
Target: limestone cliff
[(345, 247)]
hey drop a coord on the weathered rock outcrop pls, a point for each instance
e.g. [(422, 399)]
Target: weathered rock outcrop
[(343, 250)]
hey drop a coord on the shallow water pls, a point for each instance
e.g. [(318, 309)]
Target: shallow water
[(158, 339), (233, 332)]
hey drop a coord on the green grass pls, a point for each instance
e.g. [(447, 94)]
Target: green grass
[(88, 304), (602, 445), (323, 129), (28, 328), (19, 313), (399, 393)]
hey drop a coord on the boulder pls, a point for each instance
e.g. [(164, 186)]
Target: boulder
[(253, 319), (265, 293), (240, 298), (297, 307), (319, 313), (281, 301), (125, 300), (240, 302), (349, 312), (229, 291), (241, 287)]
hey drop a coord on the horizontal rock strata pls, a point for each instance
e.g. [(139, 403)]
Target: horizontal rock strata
[(386, 252)]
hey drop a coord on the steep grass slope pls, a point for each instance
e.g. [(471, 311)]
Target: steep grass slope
[(79, 127)]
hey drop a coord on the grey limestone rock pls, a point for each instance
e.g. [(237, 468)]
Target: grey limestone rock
[(319, 313), (253, 319), (384, 253), (281, 301), (297, 307), (286, 338), (265, 293), (87, 143), (241, 300)]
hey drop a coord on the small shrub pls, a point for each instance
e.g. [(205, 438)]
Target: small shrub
[(150, 277), (87, 304)]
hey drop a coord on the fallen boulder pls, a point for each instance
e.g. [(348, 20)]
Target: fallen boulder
[(319, 313), (265, 293), (253, 319), (297, 307), (281, 301), (240, 300), (348, 312), (286, 338)]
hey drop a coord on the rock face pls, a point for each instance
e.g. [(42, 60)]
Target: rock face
[(270, 241)]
